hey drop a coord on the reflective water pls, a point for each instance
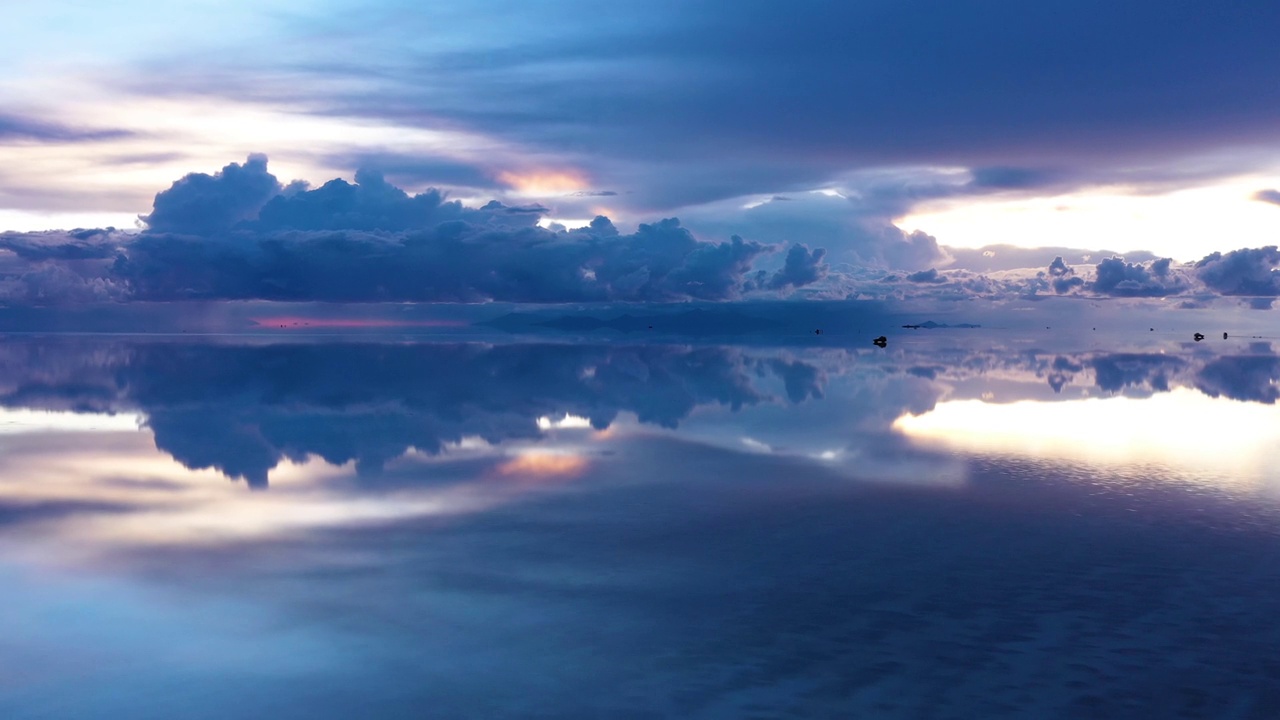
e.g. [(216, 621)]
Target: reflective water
[(957, 526)]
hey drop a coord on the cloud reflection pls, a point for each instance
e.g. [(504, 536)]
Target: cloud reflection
[(246, 410), (243, 409)]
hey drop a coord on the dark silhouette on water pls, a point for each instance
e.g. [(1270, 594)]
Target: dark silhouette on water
[(1224, 336), (931, 325), (1198, 336), (817, 332), (881, 341)]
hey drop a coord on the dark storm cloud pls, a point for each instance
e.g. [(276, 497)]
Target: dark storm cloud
[(239, 234), (455, 261), (1083, 88), (1242, 272)]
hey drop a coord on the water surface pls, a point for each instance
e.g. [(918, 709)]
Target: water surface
[(954, 527)]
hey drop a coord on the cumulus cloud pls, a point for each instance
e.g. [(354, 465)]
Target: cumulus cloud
[(373, 204), (926, 276), (239, 234), (802, 267), (1118, 278), (1249, 271), (58, 267), (1008, 257), (201, 204), (452, 262), (1064, 278), (855, 231), (79, 244)]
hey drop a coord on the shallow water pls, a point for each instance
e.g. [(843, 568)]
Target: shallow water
[(949, 528)]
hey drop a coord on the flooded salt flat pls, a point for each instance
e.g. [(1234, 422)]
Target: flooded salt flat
[(943, 528)]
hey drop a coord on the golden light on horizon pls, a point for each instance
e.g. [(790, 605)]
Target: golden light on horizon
[(1182, 428), (1185, 224), (544, 465), (543, 182)]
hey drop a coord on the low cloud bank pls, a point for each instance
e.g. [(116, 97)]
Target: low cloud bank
[(1250, 274), (240, 234)]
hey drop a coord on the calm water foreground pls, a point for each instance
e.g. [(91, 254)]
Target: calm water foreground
[(948, 528)]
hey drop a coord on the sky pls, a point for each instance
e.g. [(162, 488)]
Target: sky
[(849, 147)]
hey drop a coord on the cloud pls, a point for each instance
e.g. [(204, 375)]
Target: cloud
[(79, 244), (926, 276), (59, 267), (242, 409), (852, 230), (1268, 196), (418, 170), (701, 104), (13, 127), (1116, 277), (1008, 257), (373, 204), (1011, 178), (1242, 272), (1116, 372), (1064, 277), (239, 234), (802, 267), (453, 262), (202, 204), (1244, 377)]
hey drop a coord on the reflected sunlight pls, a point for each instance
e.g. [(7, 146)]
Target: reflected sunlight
[(1179, 428)]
